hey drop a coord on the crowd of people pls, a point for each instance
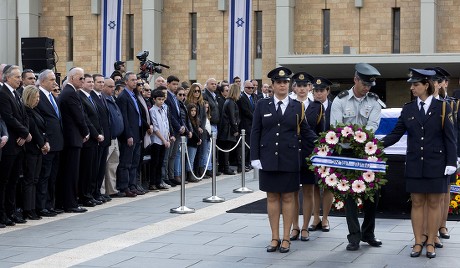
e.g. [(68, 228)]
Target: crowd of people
[(64, 150), (80, 143)]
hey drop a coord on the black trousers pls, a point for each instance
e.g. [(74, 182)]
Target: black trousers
[(88, 171), (366, 231), (66, 191), (32, 166), (10, 167), (157, 154), (101, 163), (46, 184)]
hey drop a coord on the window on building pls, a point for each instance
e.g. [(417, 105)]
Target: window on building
[(396, 30), (70, 38), (326, 30), (258, 20), (193, 37), (130, 39)]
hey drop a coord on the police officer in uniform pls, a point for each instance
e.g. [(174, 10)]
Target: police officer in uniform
[(278, 129), (314, 114), (359, 106), (431, 156)]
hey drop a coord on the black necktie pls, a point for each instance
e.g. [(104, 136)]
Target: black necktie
[(422, 111), (279, 111)]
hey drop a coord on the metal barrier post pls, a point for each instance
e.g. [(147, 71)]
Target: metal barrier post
[(243, 188), (182, 209), (213, 198)]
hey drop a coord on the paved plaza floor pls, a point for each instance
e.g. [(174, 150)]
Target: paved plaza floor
[(141, 232)]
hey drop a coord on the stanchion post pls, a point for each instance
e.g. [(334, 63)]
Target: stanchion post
[(213, 198), (243, 188), (182, 209)]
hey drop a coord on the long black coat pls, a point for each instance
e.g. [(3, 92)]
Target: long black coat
[(229, 121)]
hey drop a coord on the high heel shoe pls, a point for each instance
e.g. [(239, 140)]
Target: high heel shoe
[(271, 248), (296, 236), (325, 228), (314, 227), (414, 253), (438, 244), (285, 249), (445, 235), (304, 238), (426, 239), (430, 254)]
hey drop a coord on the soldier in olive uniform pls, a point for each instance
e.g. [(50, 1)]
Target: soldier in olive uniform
[(359, 106)]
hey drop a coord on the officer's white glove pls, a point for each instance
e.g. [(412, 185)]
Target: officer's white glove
[(256, 164), (450, 170)]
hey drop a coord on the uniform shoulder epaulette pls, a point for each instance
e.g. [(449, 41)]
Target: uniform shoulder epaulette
[(342, 94), (407, 103), (376, 97)]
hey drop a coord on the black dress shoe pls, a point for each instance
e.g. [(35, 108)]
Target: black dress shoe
[(438, 244), (97, 202), (46, 213), (352, 246), (56, 210), (76, 210), (229, 172), (374, 242), (2, 225), (6, 221), (88, 203), (31, 215), (315, 227), (100, 199), (325, 228), (128, 193), (414, 253), (106, 197), (430, 254), (17, 218), (271, 248), (285, 249)]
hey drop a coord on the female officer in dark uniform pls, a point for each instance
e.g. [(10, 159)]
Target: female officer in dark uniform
[(277, 130), (314, 114), (430, 157)]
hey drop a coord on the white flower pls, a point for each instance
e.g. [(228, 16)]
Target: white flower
[(369, 176), (331, 180), (323, 150), (373, 158), (331, 138), (347, 131), (358, 186), (370, 148), (359, 202), (360, 136), (343, 186), (324, 171), (339, 205)]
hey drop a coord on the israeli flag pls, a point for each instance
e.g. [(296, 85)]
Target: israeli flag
[(387, 123), (239, 47), (111, 34)]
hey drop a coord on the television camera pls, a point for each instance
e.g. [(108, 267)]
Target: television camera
[(148, 67)]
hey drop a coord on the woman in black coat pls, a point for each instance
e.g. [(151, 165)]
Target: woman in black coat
[(37, 147), (229, 122)]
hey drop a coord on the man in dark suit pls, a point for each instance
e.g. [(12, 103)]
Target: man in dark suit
[(103, 148), (76, 133), (89, 152), (116, 129), (12, 111), (247, 104), (49, 110), (130, 139)]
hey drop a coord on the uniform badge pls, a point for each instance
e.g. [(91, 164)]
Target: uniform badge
[(301, 77), (318, 82), (281, 73)]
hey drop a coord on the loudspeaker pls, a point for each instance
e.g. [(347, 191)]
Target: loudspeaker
[(37, 53)]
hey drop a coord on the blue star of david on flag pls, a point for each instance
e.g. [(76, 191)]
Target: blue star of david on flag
[(112, 25), (240, 22)]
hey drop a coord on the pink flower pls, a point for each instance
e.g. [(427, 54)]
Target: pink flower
[(360, 136), (370, 148), (343, 186), (331, 138), (372, 158), (369, 176), (347, 131), (331, 180), (323, 150), (358, 186), (339, 205), (323, 171)]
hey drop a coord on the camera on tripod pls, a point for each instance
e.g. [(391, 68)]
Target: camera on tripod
[(148, 67)]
